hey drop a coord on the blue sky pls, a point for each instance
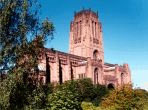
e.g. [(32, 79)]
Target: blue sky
[(125, 30)]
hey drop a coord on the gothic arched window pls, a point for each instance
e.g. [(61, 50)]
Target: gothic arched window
[(77, 29), (96, 54), (121, 78), (95, 76), (93, 28), (80, 28)]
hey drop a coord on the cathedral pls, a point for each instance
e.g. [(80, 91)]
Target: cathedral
[(85, 58)]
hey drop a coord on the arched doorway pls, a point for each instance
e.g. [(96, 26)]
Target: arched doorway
[(95, 54), (110, 86), (95, 76)]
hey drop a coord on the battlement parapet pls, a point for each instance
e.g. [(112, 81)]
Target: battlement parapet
[(87, 14)]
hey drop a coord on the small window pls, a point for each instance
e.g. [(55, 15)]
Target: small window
[(121, 75), (80, 76), (96, 54)]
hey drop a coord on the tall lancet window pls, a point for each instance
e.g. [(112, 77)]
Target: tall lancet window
[(121, 78), (80, 28), (95, 29), (92, 28), (77, 29), (96, 76)]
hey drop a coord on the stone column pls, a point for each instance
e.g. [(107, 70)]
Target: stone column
[(75, 30), (128, 73), (69, 68), (117, 74), (116, 69), (71, 39), (89, 69), (102, 76), (56, 68), (97, 31)]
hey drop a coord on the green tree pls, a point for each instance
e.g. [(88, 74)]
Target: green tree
[(18, 19), (22, 87)]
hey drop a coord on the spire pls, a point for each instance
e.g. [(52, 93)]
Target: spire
[(74, 12), (83, 7)]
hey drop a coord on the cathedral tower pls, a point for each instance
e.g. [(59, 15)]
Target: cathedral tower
[(86, 35)]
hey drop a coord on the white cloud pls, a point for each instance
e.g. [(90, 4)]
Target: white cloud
[(139, 78), (144, 85)]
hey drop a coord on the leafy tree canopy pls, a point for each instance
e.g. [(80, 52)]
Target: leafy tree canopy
[(125, 98), (19, 18)]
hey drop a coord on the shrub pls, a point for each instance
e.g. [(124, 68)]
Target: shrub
[(64, 99), (87, 106), (48, 88), (90, 106), (100, 92), (86, 89), (125, 98), (83, 87)]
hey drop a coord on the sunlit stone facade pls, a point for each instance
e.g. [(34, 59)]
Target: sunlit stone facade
[(86, 56)]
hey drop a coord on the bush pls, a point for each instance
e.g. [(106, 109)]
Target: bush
[(83, 87), (48, 88), (64, 99), (87, 106), (86, 89), (100, 92), (125, 98)]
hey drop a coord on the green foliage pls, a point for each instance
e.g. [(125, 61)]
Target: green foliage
[(82, 87), (100, 91), (22, 88), (89, 106), (19, 18), (125, 98), (48, 88), (64, 99), (86, 88), (90, 93)]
